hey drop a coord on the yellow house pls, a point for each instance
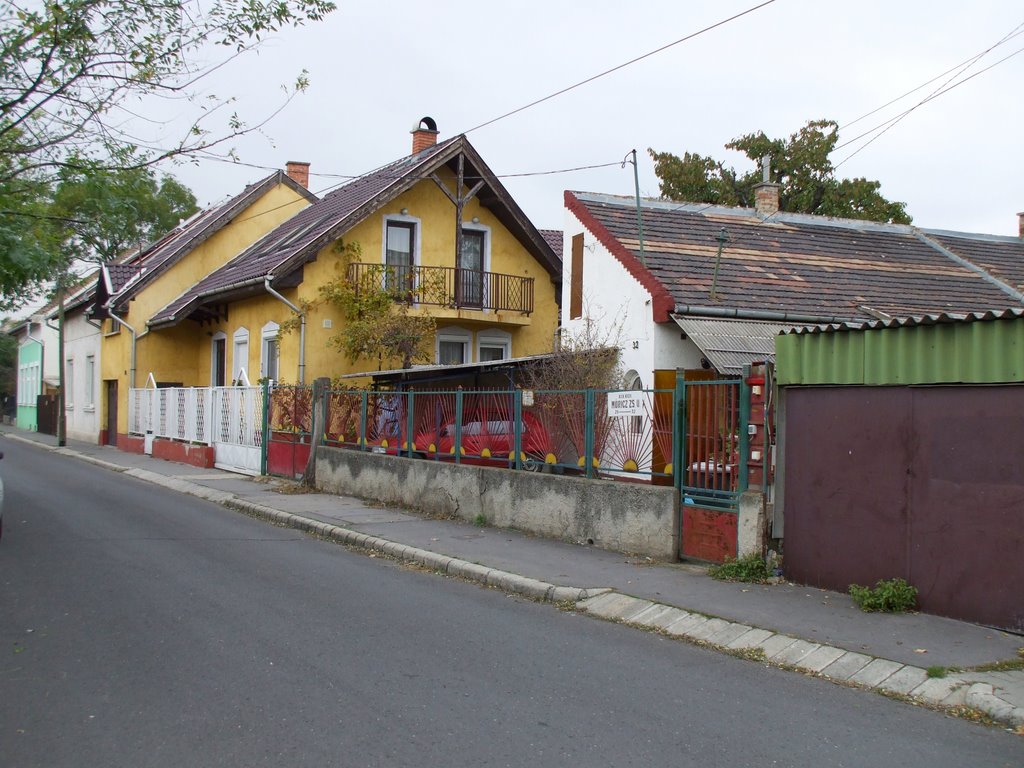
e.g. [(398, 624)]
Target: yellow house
[(438, 216), (129, 293)]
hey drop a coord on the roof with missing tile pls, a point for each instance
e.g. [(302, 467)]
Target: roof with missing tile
[(285, 249), (800, 266)]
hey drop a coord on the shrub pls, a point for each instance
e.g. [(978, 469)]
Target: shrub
[(889, 596), (750, 568)]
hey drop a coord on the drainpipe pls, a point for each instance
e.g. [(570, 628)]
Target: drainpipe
[(131, 372), (302, 326)]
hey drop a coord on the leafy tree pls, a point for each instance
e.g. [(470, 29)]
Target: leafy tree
[(799, 164), (73, 72), (77, 80), (104, 212)]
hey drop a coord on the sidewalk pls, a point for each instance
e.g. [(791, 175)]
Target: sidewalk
[(805, 628)]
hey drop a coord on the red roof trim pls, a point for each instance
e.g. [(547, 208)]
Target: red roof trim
[(662, 303)]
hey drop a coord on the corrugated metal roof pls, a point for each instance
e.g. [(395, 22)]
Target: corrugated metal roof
[(909, 321), (971, 348), (731, 344)]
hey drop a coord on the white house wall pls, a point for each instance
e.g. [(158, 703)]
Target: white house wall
[(82, 412), (613, 299)]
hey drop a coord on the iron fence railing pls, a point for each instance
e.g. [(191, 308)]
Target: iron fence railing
[(446, 286)]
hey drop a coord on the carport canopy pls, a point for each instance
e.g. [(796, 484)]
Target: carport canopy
[(731, 344)]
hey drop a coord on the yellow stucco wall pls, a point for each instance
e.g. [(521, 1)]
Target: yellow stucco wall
[(171, 355), (436, 224)]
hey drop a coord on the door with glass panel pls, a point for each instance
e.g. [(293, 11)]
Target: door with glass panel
[(470, 274), (398, 277)]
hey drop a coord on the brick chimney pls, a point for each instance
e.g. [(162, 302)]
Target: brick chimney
[(1020, 225), (298, 172), (766, 193), (424, 134)]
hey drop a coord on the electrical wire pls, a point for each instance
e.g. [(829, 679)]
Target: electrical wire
[(625, 64)]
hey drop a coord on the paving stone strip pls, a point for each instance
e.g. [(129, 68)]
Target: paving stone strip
[(822, 660), (778, 649)]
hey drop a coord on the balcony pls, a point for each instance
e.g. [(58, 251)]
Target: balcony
[(450, 287)]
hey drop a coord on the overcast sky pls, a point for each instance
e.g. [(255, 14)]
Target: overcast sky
[(377, 67)]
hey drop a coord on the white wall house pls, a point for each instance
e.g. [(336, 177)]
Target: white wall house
[(81, 374), (601, 288)]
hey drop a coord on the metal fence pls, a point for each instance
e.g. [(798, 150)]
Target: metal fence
[(694, 436), (179, 413)]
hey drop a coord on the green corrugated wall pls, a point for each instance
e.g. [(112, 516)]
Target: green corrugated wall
[(975, 352)]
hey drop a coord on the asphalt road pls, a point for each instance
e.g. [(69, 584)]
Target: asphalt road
[(139, 628)]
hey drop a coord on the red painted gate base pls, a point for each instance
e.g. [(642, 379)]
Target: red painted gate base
[(709, 534)]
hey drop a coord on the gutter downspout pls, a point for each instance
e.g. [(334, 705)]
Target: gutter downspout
[(131, 372), (302, 326), (759, 314)]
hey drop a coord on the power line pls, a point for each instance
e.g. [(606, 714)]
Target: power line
[(891, 123), (618, 67), (1015, 33)]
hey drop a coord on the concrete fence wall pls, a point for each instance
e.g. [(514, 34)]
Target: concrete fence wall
[(625, 517)]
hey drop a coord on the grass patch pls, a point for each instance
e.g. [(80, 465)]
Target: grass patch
[(749, 568), (887, 596), (480, 521), (936, 672), (1009, 665)]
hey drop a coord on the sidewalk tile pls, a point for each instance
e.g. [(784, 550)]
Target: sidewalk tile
[(819, 659), (905, 680), (647, 617), (707, 629), (775, 644), (726, 635), (846, 666), (683, 626), (669, 617), (750, 639), (876, 673), (947, 691), (795, 653)]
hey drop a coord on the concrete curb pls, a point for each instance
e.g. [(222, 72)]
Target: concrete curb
[(835, 664)]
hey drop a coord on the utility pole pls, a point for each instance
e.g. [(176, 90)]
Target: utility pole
[(62, 424)]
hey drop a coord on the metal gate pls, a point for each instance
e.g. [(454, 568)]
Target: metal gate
[(238, 429)]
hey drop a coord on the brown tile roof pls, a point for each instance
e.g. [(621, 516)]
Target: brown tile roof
[(127, 279), (553, 237), (288, 247), (788, 266), (1001, 257)]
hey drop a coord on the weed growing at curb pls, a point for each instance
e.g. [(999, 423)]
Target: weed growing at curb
[(936, 672), (749, 568), (480, 521), (1009, 665), (887, 596)]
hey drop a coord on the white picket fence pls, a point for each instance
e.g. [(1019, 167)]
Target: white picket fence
[(228, 418)]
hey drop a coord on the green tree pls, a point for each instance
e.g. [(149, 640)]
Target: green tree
[(106, 212), (799, 164), (73, 73), (78, 79)]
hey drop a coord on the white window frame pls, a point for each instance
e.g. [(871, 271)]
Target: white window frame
[(492, 338), (453, 334), (90, 382), (69, 384), (270, 333), (469, 225), (218, 336), (28, 384), (238, 339), (417, 237)]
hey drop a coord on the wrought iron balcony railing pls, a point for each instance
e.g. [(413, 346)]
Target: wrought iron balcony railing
[(446, 286)]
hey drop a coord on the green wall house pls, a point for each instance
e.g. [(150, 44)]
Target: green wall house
[(34, 367)]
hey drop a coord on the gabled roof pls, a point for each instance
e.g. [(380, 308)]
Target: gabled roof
[(796, 268), (124, 280), (283, 251)]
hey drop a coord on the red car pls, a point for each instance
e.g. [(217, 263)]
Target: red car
[(489, 442)]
